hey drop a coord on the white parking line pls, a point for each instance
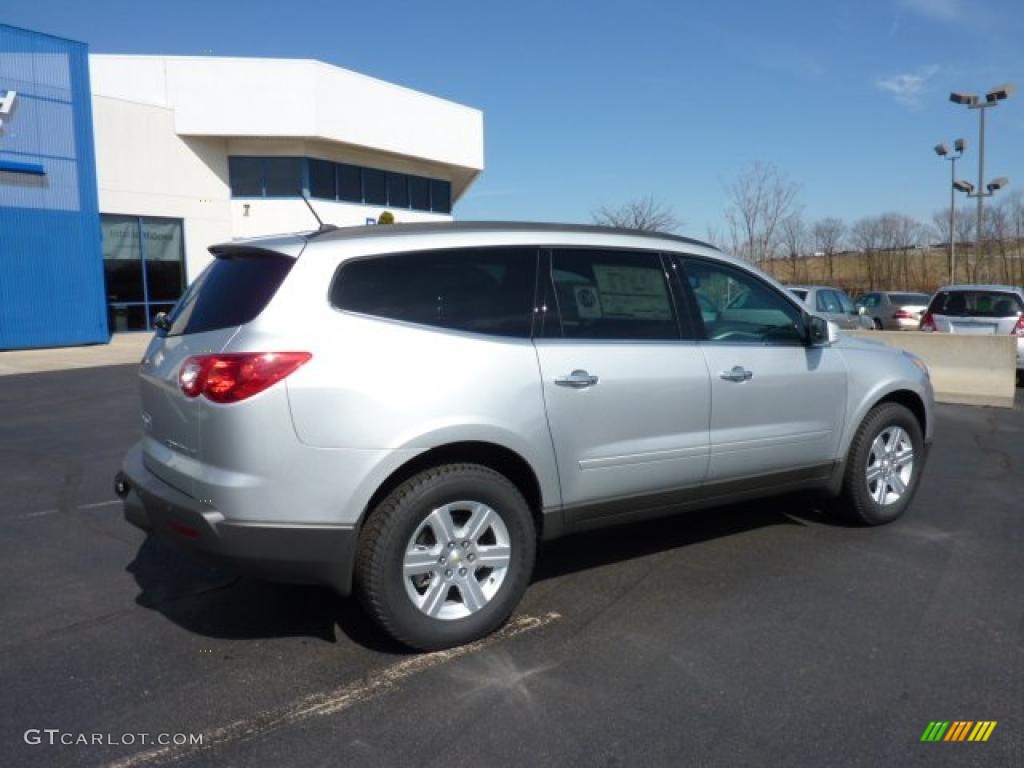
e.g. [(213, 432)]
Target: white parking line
[(331, 702), (45, 512)]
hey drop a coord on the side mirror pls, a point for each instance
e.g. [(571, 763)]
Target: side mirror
[(820, 332), (161, 322)]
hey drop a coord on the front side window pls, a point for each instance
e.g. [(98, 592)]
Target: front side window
[(871, 300), (845, 303), (827, 301), (613, 295), (479, 290), (740, 308)]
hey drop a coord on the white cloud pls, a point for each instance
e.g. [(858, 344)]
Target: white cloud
[(940, 10), (908, 88)]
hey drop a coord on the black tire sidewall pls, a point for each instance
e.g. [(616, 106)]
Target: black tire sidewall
[(410, 624), (861, 505)]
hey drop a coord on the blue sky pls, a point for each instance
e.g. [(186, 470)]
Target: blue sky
[(591, 103)]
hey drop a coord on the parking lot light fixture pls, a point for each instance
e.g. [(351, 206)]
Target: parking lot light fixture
[(942, 150), (996, 184), (963, 186), (971, 101)]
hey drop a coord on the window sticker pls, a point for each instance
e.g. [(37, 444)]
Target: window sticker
[(632, 292), (588, 303)]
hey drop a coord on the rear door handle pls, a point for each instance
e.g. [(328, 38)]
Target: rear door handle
[(738, 373), (578, 379)]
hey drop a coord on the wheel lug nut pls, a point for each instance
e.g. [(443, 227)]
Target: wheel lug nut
[(462, 571), (443, 560), (448, 573), (471, 558), (465, 545), (451, 545)]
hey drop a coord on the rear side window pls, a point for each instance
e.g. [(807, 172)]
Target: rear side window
[(975, 304), (608, 294), (479, 290), (231, 291)]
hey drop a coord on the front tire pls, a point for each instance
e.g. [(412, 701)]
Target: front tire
[(883, 466), (445, 558)]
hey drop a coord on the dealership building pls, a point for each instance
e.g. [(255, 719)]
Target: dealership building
[(118, 172)]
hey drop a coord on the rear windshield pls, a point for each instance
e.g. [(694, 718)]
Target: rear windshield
[(231, 291), (975, 304), (915, 299)]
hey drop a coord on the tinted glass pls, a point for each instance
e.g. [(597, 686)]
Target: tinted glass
[(607, 294), (321, 179), (740, 308), (398, 190), (419, 193), (976, 304), (871, 300), (375, 191), (800, 293), (845, 303), (126, 318), (350, 183), (827, 301), (440, 196), (122, 258), (165, 274), (229, 292), (481, 290), (246, 176), (282, 176), (909, 299)]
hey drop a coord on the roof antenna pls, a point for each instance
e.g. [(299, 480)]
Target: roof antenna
[(323, 227)]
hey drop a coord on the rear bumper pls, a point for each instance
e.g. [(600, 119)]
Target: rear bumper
[(306, 554)]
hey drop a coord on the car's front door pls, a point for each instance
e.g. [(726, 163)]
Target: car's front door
[(625, 384), (777, 405)]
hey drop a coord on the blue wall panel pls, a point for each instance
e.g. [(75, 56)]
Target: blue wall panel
[(51, 262)]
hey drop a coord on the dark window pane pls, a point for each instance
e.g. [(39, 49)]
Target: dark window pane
[(440, 196), (738, 307), (398, 190), (976, 304), (321, 179), (374, 187), (164, 253), (121, 318), (612, 295), (283, 176), (350, 183), (419, 193), (481, 290), (246, 174), (229, 292), (909, 299), (122, 258)]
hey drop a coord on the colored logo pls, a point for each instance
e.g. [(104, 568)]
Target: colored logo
[(958, 730)]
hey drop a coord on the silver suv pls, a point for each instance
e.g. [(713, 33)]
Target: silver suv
[(406, 411)]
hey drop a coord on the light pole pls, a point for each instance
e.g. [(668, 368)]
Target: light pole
[(971, 101), (943, 151)]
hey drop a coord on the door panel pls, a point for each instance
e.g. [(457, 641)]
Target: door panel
[(776, 404), (625, 386)]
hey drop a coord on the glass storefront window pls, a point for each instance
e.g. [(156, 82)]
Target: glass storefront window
[(144, 265)]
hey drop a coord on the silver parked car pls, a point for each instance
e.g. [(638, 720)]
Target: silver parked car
[(406, 411), (834, 304), (892, 310), (979, 309)]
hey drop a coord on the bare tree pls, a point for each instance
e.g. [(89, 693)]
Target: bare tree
[(759, 199), (644, 213), (866, 236), (828, 236), (906, 237), (794, 238)]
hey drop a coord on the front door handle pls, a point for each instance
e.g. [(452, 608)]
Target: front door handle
[(738, 373), (578, 379)]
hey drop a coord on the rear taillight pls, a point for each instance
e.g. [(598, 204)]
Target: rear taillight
[(229, 378), (904, 314), (1018, 329), (927, 322)]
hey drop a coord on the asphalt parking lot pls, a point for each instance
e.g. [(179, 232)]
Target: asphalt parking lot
[(762, 634)]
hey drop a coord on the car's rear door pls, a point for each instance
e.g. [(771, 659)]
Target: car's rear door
[(625, 385), (777, 406)]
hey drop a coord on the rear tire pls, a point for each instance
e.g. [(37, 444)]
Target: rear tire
[(877, 324), (445, 558), (883, 466)]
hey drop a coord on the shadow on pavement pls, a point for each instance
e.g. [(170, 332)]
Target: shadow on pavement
[(219, 605)]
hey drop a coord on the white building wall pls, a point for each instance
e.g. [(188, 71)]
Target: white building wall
[(145, 169)]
